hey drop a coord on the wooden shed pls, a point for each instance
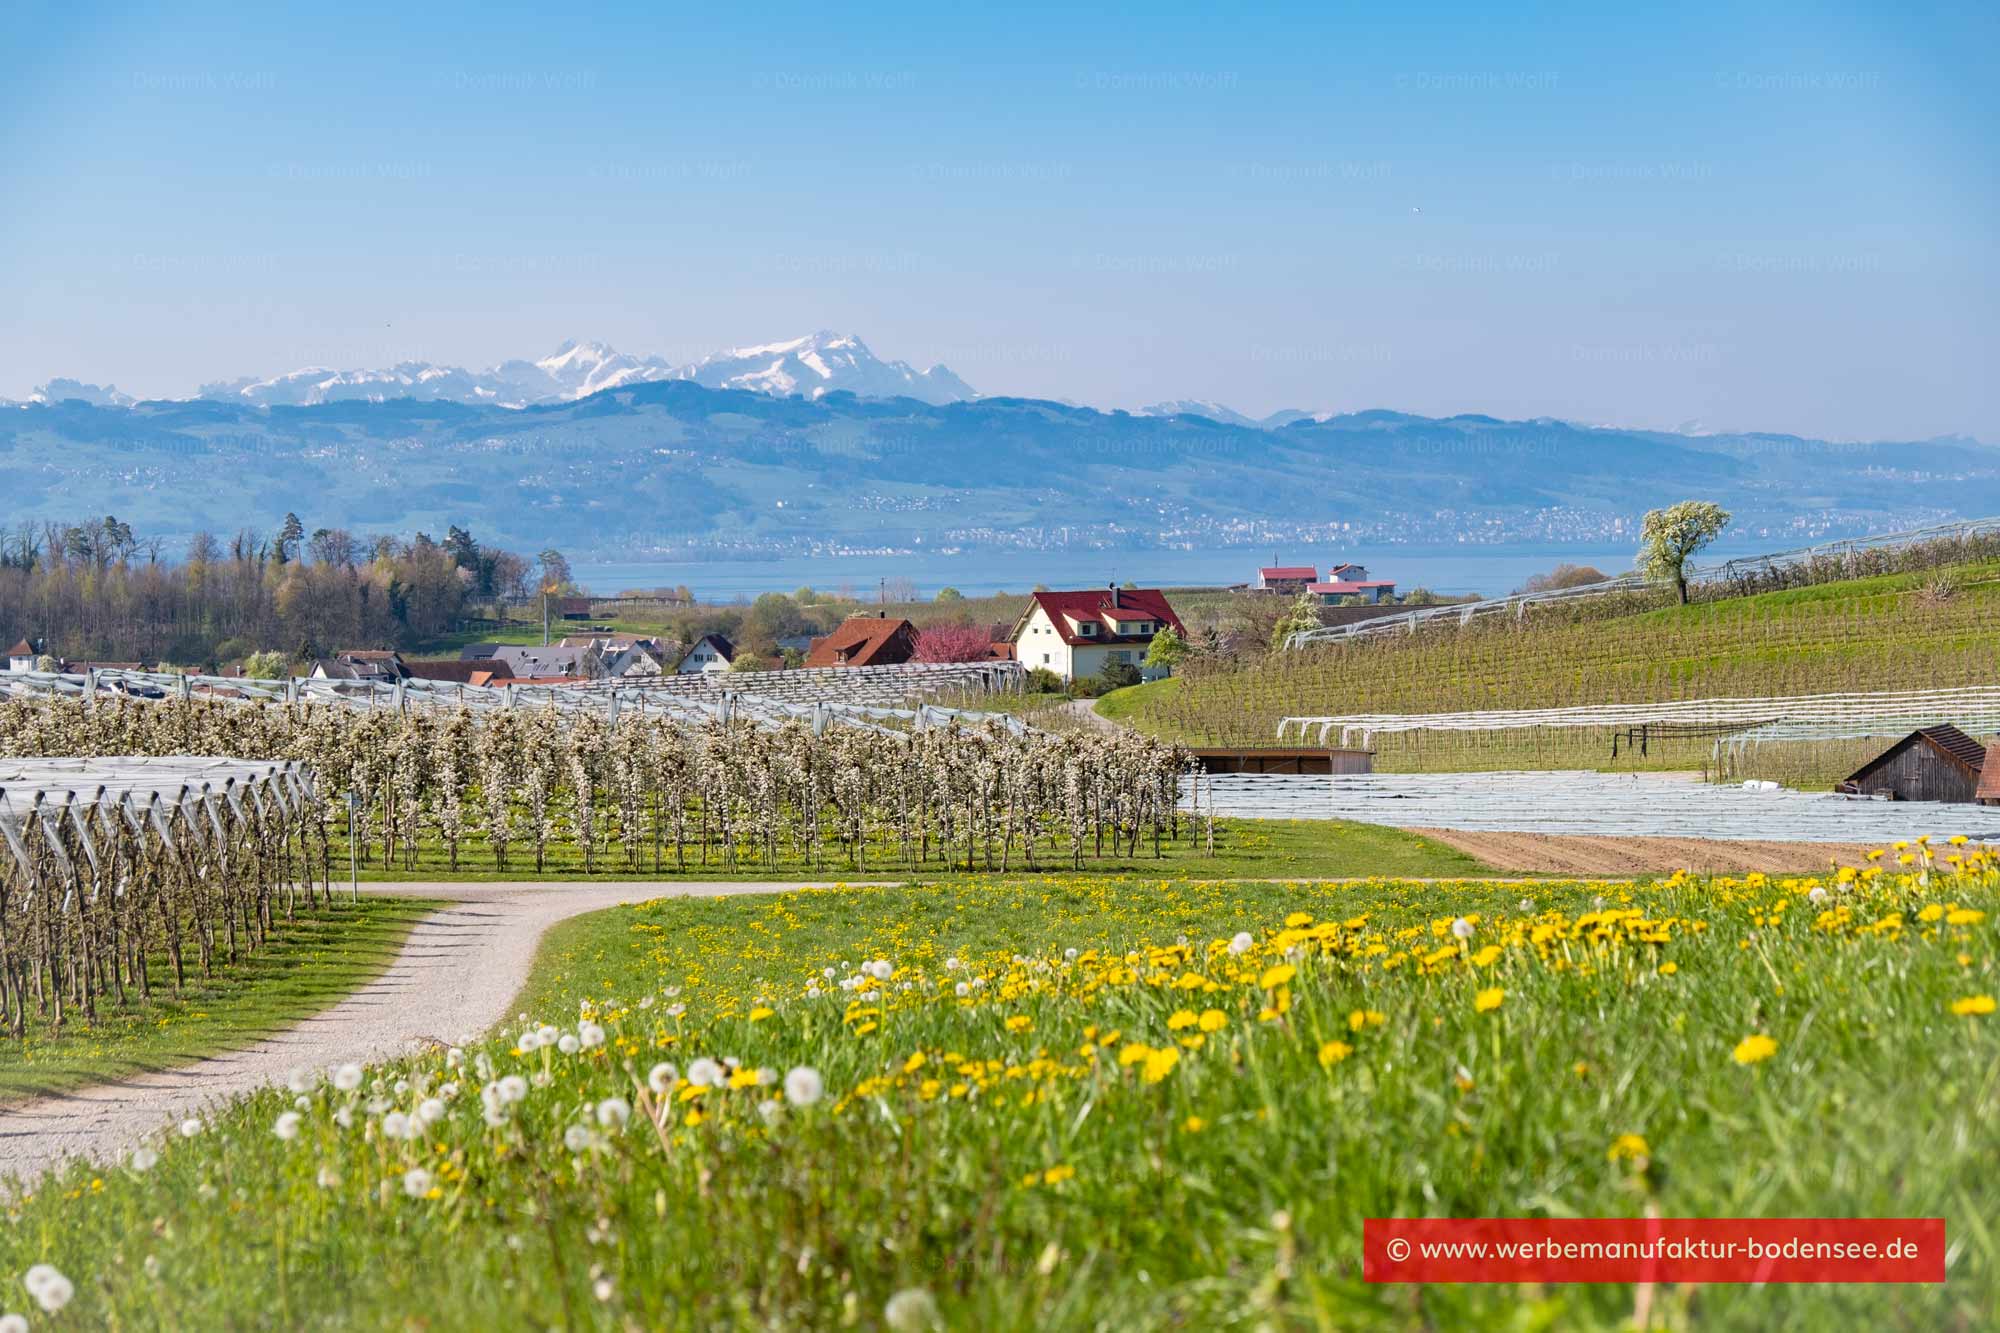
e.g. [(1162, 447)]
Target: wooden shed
[(1989, 777), (1931, 764)]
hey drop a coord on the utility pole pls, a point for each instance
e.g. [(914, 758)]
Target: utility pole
[(545, 617)]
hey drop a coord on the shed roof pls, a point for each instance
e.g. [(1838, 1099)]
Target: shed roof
[(1989, 776), (1946, 739)]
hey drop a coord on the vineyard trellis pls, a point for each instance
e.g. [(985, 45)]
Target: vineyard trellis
[(1851, 557), (110, 865), (643, 790), (899, 698)]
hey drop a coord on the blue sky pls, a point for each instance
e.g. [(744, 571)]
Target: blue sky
[(1781, 219)]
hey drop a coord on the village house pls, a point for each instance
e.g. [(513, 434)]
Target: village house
[(865, 641), (21, 657), (711, 655), (1290, 580), (382, 665), (1372, 592), (1079, 634)]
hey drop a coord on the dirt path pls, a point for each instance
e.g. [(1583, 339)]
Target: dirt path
[(1586, 854), (455, 976), (1085, 711)]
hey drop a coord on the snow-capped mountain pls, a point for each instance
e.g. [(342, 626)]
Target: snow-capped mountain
[(808, 367), (1229, 416), (824, 363), (97, 395)]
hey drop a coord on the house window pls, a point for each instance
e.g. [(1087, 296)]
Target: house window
[(1045, 659)]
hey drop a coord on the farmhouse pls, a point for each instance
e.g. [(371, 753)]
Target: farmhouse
[(1288, 579), (1372, 592), (711, 655), (865, 641), (1078, 634), (377, 664), (1931, 764), (21, 657)]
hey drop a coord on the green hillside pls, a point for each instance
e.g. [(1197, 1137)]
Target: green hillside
[(1930, 629)]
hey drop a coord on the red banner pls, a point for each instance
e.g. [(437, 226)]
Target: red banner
[(1653, 1249)]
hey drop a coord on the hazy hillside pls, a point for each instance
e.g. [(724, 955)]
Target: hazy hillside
[(675, 465)]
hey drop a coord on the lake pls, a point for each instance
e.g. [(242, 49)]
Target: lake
[(1452, 570)]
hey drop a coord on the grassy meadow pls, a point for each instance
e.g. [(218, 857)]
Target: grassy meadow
[(310, 963), (1070, 1101), (1243, 849)]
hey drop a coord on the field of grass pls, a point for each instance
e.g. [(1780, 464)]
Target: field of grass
[(1244, 849), (1079, 1103), (310, 964), (1884, 633)]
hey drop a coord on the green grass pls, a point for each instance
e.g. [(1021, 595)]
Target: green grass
[(1882, 633), (1244, 849), (1062, 1150), (1120, 705), (310, 964)]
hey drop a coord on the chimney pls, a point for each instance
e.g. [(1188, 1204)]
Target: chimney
[(1113, 586)]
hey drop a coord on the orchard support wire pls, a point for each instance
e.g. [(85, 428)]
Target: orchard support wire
[(113, 865), (578, 783)]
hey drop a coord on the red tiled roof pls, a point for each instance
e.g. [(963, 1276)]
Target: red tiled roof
[(460, 671), (22, 649), (1306, 572), (865, 641), (1093, 604)]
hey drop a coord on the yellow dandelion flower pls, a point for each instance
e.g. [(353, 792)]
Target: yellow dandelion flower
[(1277, 976), (1297, 919), (1964, 916), (1182, 1018), (1056, 1175), (1365, 1018), (1668, 969), (760, 1013), (914, 1063), (1972, 1004), (1159, 1064), (1213, 1020), (1019, 1023), (1931, 913), (1489, 999), (1194, 1124), (1134, 1053), (1332, 1053), (1626, 1147), (1753, 1049)]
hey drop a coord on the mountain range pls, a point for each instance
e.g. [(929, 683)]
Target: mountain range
[(808, 367), (688, 463)]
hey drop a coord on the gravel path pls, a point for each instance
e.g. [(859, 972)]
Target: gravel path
[(458, 970)]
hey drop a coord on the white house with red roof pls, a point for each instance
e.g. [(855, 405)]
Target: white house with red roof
[(1078, 634), (1372, 591)]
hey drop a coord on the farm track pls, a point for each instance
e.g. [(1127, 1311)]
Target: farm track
[(456, 975), (1589, 854)]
